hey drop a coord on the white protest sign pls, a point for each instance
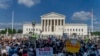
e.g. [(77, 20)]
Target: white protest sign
[(47, 51), (60, 54)]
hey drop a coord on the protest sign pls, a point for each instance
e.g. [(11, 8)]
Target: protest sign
[(72, 46), (34, 36), (65, 35), (60, 54), (47, 51)]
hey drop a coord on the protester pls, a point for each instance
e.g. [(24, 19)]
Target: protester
[(25, 47)]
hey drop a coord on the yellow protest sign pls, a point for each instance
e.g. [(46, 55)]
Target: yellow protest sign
[(72, 46)]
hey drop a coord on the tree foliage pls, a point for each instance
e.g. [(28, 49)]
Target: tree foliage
[(2, 32), (95, 33), (19, 31), (9, 30)]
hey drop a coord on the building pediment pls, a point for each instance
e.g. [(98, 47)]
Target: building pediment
[(52, 14)]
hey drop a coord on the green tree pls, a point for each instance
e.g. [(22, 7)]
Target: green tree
[(9, 31), (19, 31), (2, 32), (95, 33), (14, 31)]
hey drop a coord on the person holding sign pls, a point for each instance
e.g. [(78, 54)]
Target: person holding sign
[(72, 46)]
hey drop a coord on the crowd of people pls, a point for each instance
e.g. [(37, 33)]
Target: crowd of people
[(26, 47)]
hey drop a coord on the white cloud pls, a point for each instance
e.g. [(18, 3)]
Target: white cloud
[(28, 3), (95, 28), (97, 22), (4, 4), (82, 15)]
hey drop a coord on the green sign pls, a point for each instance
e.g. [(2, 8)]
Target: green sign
[(86, 39), (35, 36)]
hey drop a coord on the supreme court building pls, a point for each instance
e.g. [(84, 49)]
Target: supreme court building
[(54, 24)]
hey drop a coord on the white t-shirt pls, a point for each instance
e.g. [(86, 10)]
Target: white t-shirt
[(7, 47), (85, 54), (14, 38), (14, 55), (3, 51), (18, 43), (60, 54)]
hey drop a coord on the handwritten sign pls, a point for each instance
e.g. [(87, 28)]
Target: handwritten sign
[(47, 51), (72, 46)]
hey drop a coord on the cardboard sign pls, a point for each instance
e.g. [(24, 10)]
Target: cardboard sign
[(72, 46), (47, 51)]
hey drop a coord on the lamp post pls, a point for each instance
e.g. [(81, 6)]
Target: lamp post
[(41, 34), (33, 25)]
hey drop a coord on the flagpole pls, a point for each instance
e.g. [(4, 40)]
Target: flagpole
[(92, 22), (12, 20)]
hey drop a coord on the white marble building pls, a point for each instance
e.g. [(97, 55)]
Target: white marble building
[(54, 24)]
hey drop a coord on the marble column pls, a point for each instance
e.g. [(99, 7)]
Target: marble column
[(47, 25), (50, 25), (61, 22), (54, 24), (57, 22), (44, 25)]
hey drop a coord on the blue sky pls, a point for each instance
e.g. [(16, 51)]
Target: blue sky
[(76, 11)]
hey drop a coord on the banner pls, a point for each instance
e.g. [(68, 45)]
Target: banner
[(72, 46), (47, 51)]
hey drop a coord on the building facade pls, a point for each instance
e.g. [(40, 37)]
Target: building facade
[(54, 24)]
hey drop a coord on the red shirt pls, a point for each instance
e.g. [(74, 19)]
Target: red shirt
[(25, 55)]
